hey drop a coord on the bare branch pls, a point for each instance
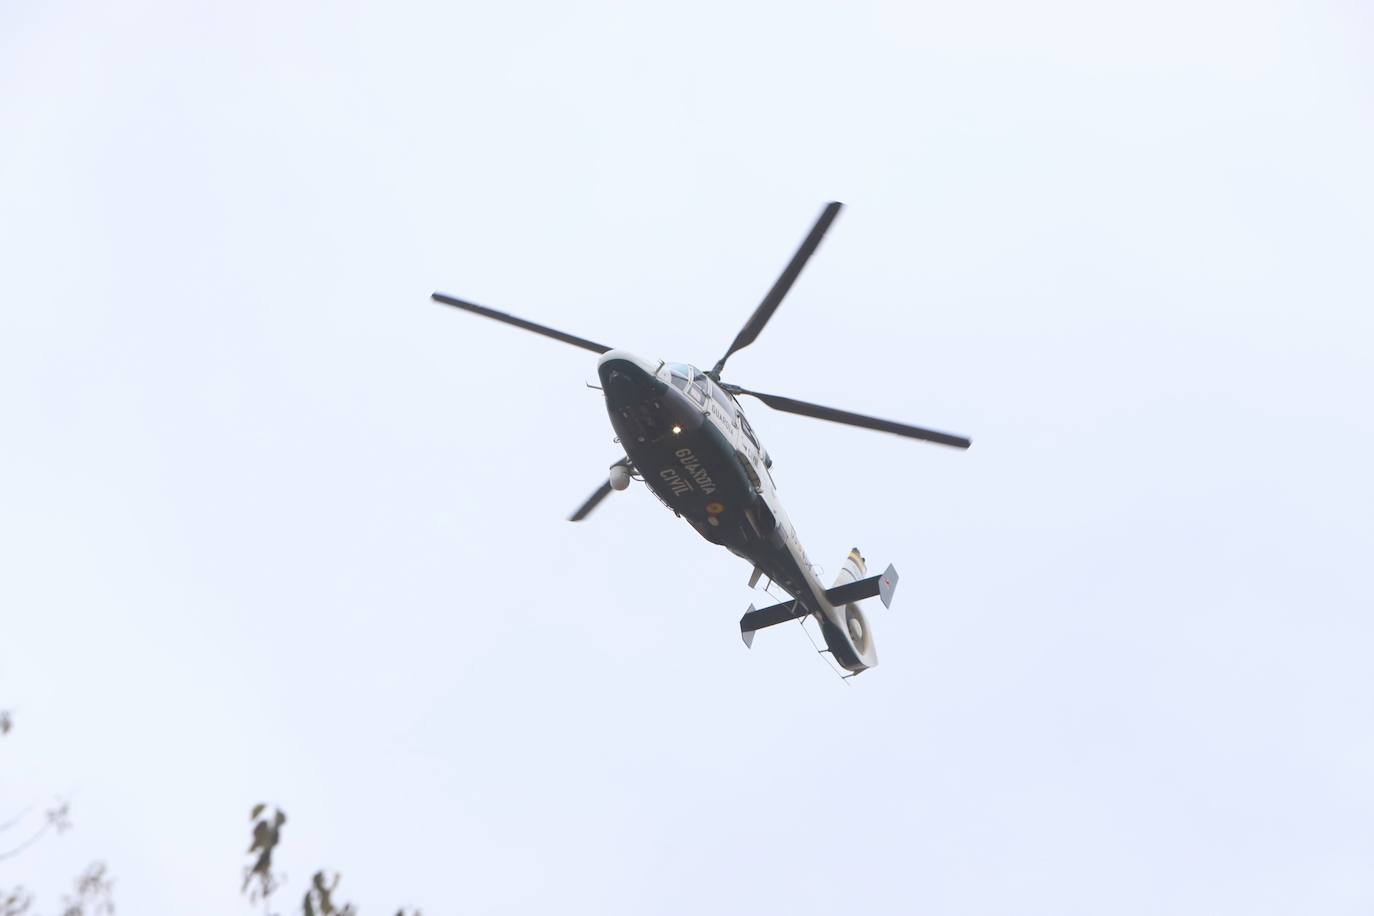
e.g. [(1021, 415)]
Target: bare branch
[(17, 818), (11, 853)]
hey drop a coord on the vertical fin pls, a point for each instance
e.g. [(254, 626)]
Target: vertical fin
[(887, 585)]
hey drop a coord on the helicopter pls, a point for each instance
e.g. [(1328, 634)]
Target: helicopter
[(686, 437)]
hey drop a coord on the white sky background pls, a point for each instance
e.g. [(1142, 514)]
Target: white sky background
[(276, 527)]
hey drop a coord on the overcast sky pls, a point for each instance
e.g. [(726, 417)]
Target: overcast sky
[(275, 527)]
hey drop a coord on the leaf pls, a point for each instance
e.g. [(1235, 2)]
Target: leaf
[(262, 836), (257, 810), (60, 816)]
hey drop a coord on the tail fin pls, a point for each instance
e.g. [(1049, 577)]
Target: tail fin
[(853, 569), (846, 629)]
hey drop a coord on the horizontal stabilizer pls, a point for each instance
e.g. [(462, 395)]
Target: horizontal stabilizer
[(851, 592), (769, 616), (882, 586)]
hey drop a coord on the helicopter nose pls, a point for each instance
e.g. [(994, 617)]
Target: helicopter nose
[(628, 379), (624, 359)]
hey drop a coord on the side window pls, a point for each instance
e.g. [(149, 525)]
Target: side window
[(748, 432)]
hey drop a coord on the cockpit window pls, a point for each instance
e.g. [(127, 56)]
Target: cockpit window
[(691, 381), (723, 399), (681, 375)]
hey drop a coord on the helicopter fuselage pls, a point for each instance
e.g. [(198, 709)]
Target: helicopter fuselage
[(694, 448)]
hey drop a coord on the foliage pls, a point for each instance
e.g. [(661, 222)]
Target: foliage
[(15, 902), (92, 893), (260, 882), (319, 899)]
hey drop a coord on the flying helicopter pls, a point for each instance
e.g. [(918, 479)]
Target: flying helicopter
[(686, 437)]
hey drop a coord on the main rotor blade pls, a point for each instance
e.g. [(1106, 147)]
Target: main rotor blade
[(520, 323), (595, 499), (592, 502), (791, 405), (770, 302)]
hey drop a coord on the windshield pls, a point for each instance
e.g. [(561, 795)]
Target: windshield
[(682, 375), (690, 381)]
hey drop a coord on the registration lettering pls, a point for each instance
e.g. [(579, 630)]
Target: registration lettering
[(695, 470), (674, 480)]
